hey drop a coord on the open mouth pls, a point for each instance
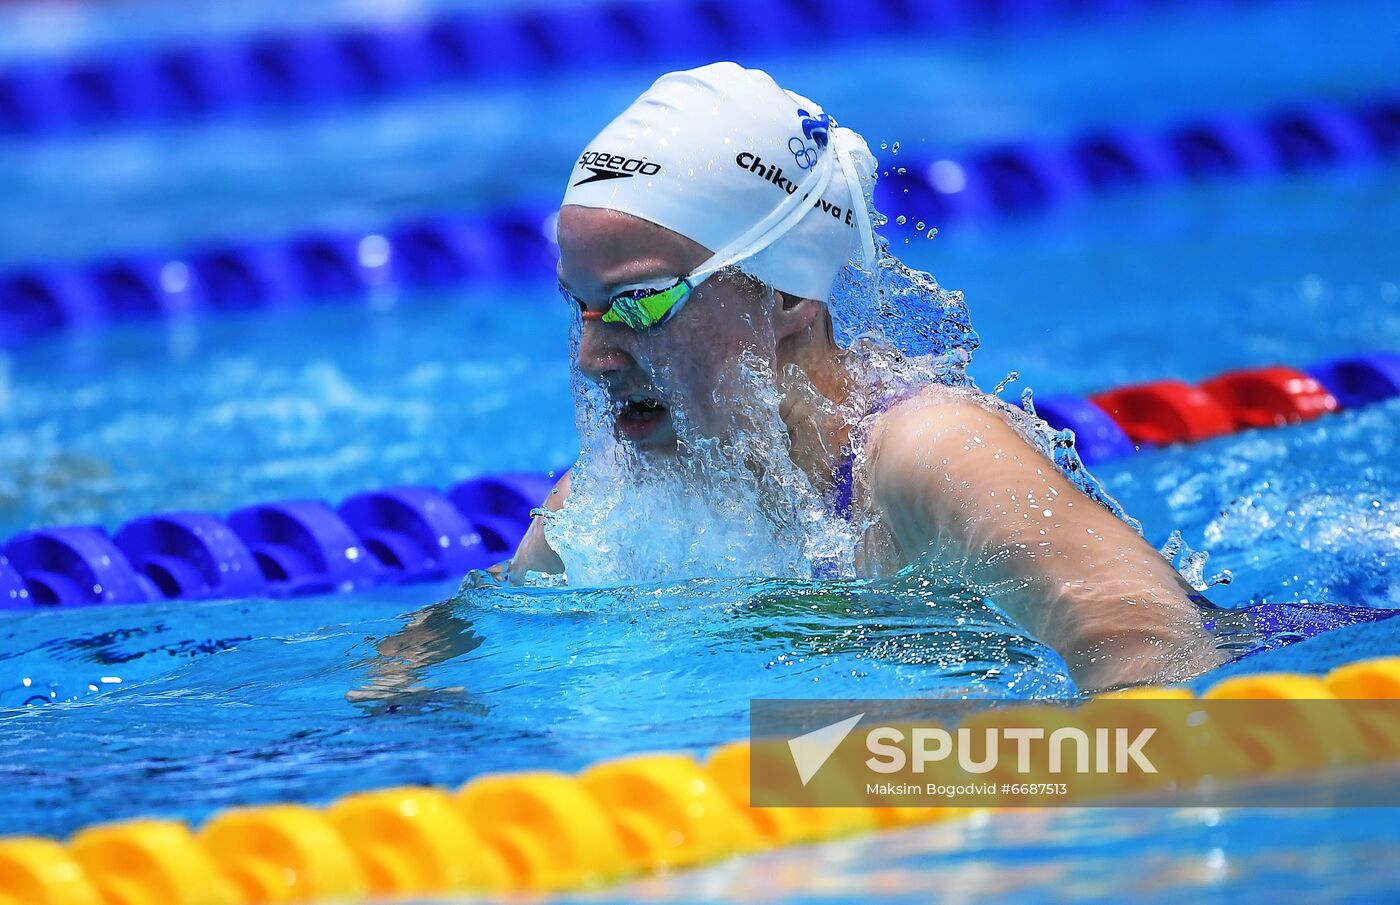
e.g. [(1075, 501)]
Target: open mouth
[(640, 415)]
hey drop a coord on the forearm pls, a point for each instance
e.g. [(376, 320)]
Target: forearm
[(1112, 607), (1128, 630), (534, 553)]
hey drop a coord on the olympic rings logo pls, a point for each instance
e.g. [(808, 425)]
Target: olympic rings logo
[(805, 154)]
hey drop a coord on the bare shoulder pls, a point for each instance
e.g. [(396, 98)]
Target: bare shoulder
[(948, 466), (947, 431)]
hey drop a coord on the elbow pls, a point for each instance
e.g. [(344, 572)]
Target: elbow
[(1119, 640)]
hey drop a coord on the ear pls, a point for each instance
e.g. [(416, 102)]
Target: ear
[(794, 315)]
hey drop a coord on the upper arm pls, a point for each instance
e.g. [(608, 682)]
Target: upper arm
[(958, 482), (534, 553)]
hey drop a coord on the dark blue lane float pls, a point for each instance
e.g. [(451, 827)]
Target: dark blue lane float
[(497, 503), (1361, 380), (428, 252), (74, 565), (452, 250), (1026, 178), (142, 287), (1112, 159), (1097, 436), (305, 547), (308, 68), (412, 534), (417, 533), (191, 555)]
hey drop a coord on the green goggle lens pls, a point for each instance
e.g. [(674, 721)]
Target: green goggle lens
[(644, 307)]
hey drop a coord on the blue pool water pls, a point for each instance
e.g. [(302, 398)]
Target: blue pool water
[(237, 702)]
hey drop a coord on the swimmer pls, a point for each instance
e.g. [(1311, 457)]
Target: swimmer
[(710, 220)]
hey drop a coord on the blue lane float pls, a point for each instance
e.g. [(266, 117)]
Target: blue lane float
[(47, 299), (282, 549), (451, 250), (429, 252), (198, 80), (411, 534), (416, 533), (1098, 437), (1220, 147), (502, 506), (143, 287), (1119, 158), (1319, 135), (438, 251), (305, 547), (191, 555), (243, 276), (1026, 178), (74, 565), (296, 70), (1360, 380)]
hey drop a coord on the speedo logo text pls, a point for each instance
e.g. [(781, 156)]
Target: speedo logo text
[(614, 166)]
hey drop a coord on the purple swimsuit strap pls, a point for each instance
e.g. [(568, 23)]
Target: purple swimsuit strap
[(843, 483), (844, 486)]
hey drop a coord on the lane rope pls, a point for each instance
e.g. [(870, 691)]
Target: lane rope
[(454, 250), (540, 831), (293, 71), (414, 534)]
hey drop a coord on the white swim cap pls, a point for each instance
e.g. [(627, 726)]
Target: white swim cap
[(758, 175)]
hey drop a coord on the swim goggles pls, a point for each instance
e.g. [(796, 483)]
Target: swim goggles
[(649, 304), (641, 306)]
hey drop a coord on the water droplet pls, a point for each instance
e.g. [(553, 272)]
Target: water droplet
[(920, 225), (894, 149), (1010, 378), (901, 219)]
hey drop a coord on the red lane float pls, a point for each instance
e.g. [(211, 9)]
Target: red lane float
[(1270, 397), (1165, 411)]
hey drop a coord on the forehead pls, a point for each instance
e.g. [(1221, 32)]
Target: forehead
[(600, 250)]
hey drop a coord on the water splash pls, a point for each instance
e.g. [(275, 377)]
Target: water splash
[(728, 505), (1007, 381), (1058, 447), (1191, 563)]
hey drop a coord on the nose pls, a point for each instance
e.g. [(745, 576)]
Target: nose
[(601, 353)]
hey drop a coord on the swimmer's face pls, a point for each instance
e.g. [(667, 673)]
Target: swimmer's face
[(652, 374)]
